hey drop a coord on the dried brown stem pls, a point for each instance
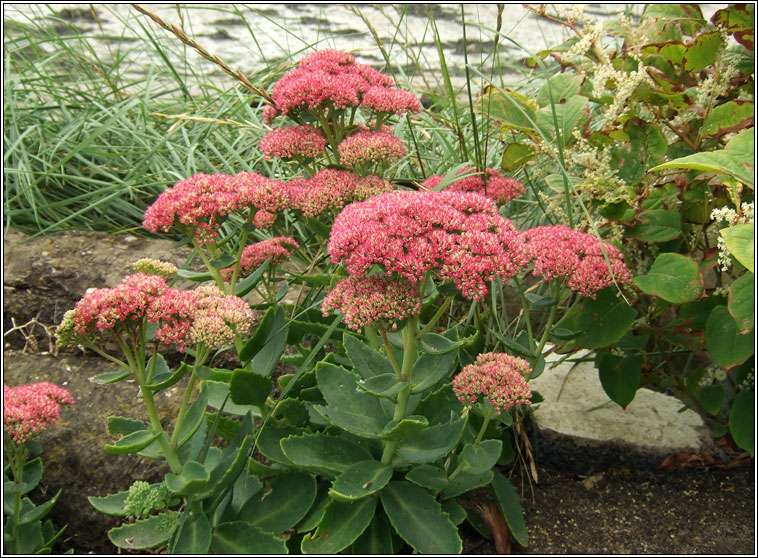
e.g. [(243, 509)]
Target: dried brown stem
[(182, 36)]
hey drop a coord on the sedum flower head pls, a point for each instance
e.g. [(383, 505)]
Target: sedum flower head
[(293, 141), (278, 249), (458, 236), (327, 189), (497, 187), (370, 147), (496, 377), (204, 316), (561, 252), (326, 79), (386, 99), (29, 408), (198, 204), (149, 266), (367, 300), (110, 309)]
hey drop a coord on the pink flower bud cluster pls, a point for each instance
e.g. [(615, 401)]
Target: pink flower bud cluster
[(498, 188), (367, 300), (370, 147), (397, 101), (331, 189), (28, 409), (277, 249), (458, 236), (333, 79), (560, 252), (498, 378), (293, 141), (203, 315), (199, 203)]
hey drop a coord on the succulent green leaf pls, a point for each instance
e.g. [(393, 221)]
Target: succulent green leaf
[(223, 261), (436, 343), (267, 343), (509, 504), (359, 480), (341, 524), (454, 510), (620, 377), (742, 302), (242, 537), (131, 443), (248, 387), (367, 361), (110, 377), (482, 457), (145, 533), (166, 379), (193, 478), (740, 241), (31, 475), (723, 341), (672, 277), (383, 385), (742, 421), (194, 276), (121, 426), (38, 512), (248, 283), (418, 518), (431, 368), (218, 396), (349, 407), (112, 504), (376, 539), (269, 441), (284, 502), (428, 476), (406, 428), (323, 452), (466, 481), (193, 535), (432, 442)]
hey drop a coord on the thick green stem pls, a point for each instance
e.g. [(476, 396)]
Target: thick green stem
[(437, 315), (157, 428), (554, 291), (401, 406), (238, 261), (215, 272)]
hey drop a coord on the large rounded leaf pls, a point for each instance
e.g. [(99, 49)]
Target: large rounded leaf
[(601, 322), (723, 341), (742, 302), (674, 278), (742, 421), (418, 517), (341, 524)]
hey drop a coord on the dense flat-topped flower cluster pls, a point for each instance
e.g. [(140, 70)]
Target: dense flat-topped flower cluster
[(496, 377), (558, 251), (277, 250), (496, 187), (367, 300), (204, 315), (30, 408), (368, 147), (331, 79), (459, 237), (291, 142)]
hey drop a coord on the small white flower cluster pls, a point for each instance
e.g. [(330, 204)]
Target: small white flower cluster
[(748, 383), (731, 218), (713, 374)]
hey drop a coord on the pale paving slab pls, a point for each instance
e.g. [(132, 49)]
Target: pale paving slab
[(578, 413)]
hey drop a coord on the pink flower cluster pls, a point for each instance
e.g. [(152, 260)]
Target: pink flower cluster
[(370, 147), (398, 101), (198, 203), (459, 236), (560, 252), (204, 315), (293, 141), (498, 188), (366, 300), (332, 189), (278, 249), (28, 409), (333, 79), (497, 377)]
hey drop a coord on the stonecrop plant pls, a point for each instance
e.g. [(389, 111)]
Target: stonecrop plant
[(27, 411), (362, 416)]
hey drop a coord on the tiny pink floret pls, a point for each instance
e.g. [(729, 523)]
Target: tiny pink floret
[(497, 187), (495, 377), (30, 408)]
